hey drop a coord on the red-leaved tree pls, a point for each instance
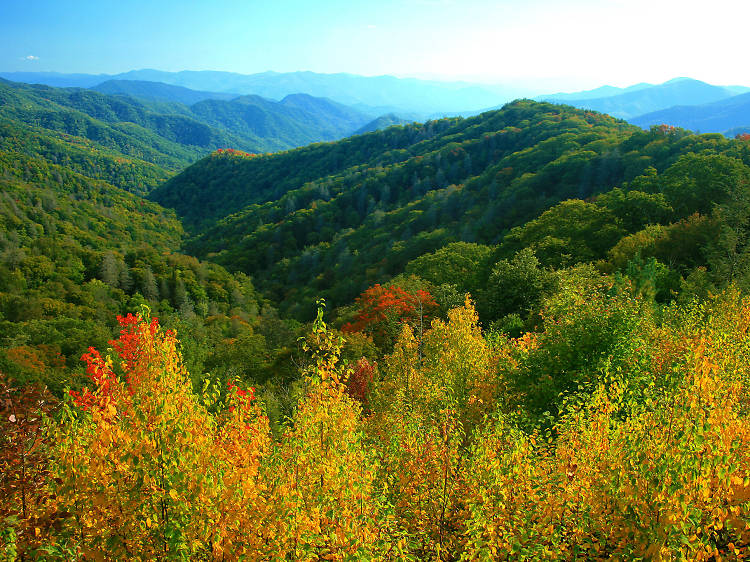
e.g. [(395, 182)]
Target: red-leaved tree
[(382, 310), (359, 381)]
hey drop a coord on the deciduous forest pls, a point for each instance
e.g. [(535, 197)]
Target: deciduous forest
[(522, 335)]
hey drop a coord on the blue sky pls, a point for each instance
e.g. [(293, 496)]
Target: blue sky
[(549, 44)]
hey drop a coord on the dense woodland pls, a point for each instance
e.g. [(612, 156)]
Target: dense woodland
[(333, 219), (533, 343), (173, 134)]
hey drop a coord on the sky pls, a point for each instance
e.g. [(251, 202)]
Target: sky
[(548, 45)]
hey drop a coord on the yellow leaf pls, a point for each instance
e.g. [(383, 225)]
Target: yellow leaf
[(173, 494)]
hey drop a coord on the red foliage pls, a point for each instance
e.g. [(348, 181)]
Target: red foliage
[(244, 397), (379, 305), (100, 374), (232, 152), (358, 383), (128, 347)]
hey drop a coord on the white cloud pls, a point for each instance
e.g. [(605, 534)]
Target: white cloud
[(30, 57)]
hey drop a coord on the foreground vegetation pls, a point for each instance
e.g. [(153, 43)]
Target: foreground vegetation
[(613, 432), (524, 375)]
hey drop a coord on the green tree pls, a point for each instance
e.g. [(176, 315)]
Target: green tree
[(698, 181), (636, 209), (458, 264), (516, 287), (569, 233)]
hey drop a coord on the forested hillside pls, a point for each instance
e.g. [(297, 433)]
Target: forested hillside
[(79, 245), (81, 155), (534, 345), (335, 219), (109, 122), (296, 120), (382, 122), (351, 214), (173, 134)]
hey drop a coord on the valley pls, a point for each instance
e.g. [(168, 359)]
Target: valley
[(331, 327)]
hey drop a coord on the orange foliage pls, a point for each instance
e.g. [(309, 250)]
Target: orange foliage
[(383, 309), (649, 460)]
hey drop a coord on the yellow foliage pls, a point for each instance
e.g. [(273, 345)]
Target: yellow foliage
[(659, 474), (651, 461), (146, 469)]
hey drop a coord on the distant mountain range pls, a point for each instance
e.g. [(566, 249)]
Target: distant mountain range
[(721, 116), (149, 124), (645, 98), (375, 95), (681, 102), (600, 92), (159, 91), (275, 111)]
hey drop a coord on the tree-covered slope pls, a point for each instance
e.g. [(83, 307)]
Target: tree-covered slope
[(110, 122), (81, 155), (381, 122), (294, 121), (173, 134), (593, 406), (56, 227), (334, 219), (77, 249), (338, 217), (223, 183)]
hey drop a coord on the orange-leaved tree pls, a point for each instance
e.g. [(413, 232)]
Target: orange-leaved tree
[(653, 463), (381, 311), (432, 393), (145, 469), (321, 478)]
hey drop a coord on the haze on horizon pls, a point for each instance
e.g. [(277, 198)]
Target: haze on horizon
[(542, 45)]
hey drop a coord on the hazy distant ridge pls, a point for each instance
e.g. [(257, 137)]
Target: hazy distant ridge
[(715, 117), (260, 106), (159, 91), (374, 94), (641, 99)]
